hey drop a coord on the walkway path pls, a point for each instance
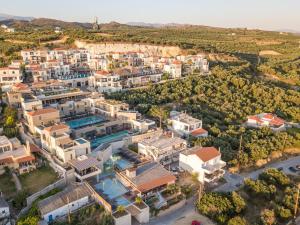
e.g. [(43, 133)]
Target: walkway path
[(176, 216), (17, 182)]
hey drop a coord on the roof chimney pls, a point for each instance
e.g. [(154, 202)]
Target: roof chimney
[(131, 172)]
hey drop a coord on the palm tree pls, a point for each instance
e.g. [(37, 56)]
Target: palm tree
[(138, 200), (159, 112), (199, 184), (120, 209)]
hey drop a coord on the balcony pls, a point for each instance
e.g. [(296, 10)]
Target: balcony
[(214, 176), (91, 172), (210, 169)]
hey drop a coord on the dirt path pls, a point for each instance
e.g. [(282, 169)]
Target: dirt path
[(59, 41), (17, 182)]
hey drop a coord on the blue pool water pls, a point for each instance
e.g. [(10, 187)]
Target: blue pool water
[(118, 161), (85, 121), (108, 138), (123, 164), (122, 201), (81, 140), (111, 187)]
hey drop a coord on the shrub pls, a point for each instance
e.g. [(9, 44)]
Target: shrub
[(267, 217), (283, 213), (260, 188), (238, 202), (275, 177), (237, 221)]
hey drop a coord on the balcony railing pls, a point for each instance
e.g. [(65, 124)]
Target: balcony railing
[(209, 169)]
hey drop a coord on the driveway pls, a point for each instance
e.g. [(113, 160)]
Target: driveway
[(180, 216), (235, 180)]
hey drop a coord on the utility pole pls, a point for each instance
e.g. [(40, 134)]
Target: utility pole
[(296, 203), (201, 189), (69, 216), (241, 140)]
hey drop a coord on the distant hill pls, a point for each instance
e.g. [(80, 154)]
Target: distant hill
[(162, 25), (157, 25), (4, 16), (52, 23), (289, 31)]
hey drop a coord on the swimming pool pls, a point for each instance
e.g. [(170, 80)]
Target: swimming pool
[(85, 121), (108, 138), (122, 201), (118, 161), (112, 188)]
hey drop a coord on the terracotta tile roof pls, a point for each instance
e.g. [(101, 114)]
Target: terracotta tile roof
[(42, 111), (34, 148), (268, 116), (176, 62), (277, 121), (206, 153), (7, 160), (156, 183), (56, 127), (198, 132), (25, 159), (102, 72), (151, 175)]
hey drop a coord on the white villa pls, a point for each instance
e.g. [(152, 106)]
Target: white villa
[(163, 149), (266, 120), (205, 161), (104, 81), (185, 125), (10, 75), (72, 198), (56, 139)]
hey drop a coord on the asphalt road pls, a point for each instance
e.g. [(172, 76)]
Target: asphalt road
[(173, 216), (234, 180)]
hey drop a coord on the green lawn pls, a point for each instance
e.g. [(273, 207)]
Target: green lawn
[(7, 186), (38, 179)]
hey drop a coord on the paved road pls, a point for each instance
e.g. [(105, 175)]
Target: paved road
[(233, 180), (171, 217), (176, 215)]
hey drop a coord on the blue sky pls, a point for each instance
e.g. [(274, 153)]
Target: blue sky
[(265, 14)]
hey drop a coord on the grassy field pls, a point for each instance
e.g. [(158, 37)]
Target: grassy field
[(7, 186), (38, 179)]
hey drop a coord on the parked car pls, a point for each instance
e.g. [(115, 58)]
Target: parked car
[(174, 169), (280, 168), (298, 167), (293, 169), (238, 185), (196, 222)]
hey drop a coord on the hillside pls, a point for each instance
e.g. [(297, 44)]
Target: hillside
[(275, 55)]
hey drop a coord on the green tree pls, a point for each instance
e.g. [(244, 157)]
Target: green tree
[(30, 220), (237, 221), (159, 112), (238, 202), (267, 217)]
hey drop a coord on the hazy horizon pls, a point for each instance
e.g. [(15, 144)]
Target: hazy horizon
[(261, 14)]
